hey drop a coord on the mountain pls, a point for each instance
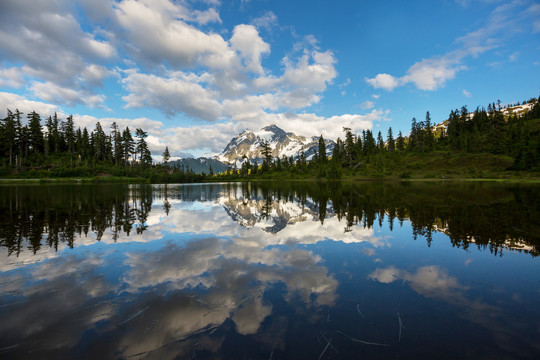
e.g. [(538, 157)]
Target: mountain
[(200, 165), (249, 144)]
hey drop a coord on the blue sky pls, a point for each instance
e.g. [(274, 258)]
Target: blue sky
[(196, 73)]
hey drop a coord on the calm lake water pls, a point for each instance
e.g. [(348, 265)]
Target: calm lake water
[(270, 271)]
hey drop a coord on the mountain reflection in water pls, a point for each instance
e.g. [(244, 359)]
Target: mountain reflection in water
[(289, 270)]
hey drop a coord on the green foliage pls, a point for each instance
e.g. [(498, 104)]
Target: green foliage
[(479, 144)]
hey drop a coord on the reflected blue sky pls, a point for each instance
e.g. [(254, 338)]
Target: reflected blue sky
[(235, 275)]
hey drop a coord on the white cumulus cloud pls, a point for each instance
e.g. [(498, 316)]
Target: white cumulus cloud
[(384, 81)]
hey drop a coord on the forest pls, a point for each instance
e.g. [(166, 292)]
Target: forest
[(60, 151), (485, 143)]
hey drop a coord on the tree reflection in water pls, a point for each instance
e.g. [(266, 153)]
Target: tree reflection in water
[(489, 216), (266, 270)]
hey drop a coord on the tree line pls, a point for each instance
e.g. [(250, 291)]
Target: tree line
[(498, 217), (482, 131), (31, 147), (59, 149), (21, 141)]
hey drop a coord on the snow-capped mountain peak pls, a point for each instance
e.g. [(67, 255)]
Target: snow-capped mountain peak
[(249, 145)]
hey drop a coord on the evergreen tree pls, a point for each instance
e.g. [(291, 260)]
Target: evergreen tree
[(336, 156), (428, 132), (69, 133), (85, 144), (497, 132), (453, 128), (166, 155), (322, 150), (267, 154), (128, 145), (350, 149), (99, 142), (9, 136), (400, 143), (35, 133), (141, 146), (380, 142), (358, 146), (369, 144), (20, 140), (78, 142), (390, 140), (118, 150), (52, 134), (146, 159)]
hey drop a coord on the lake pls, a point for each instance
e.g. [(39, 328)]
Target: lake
[(270, 271)]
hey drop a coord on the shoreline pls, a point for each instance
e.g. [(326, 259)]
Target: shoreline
[(115, 180)]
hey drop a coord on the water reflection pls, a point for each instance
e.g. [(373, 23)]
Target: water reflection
[(267, 271), (493, 217)]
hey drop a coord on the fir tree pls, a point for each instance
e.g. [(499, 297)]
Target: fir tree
[(390, 140), (128, 145), (267, 154), (322, 151), (68, 128), (118, 152), (9, 135), (350, 149), (166, 155), (400, 143), (99, 142), (142, 148), (35, 133), (429, 138)]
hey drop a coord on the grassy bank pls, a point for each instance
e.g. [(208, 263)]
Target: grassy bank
[(406, 166), (436, 165), (85, 180)]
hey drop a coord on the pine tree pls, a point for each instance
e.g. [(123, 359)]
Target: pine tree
[(350, 149), (9, 135), (336, 156), (400, 143), (20, 135), (118, 152), (35, 133), (413, 136), (68, 128), (52, 133), (497, 133), (429, 138), (390, 140), (322, 150), (99, 142), (146, 158), (141, 147), (369, 144), (78, 142), (380, 142), (267, 154), (166, 155), (85, 144), (128, 145)]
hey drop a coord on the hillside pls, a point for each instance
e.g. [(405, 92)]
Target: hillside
[(199, 165)]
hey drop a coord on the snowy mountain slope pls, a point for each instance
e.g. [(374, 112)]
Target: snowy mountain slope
[(249, 144)]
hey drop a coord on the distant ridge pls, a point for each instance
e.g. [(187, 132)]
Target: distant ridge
[(199, 165)]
